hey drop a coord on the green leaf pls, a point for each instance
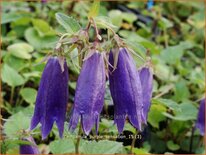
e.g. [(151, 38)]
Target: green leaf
[(129, 127), (178, 127), (10, 17), (14, 62), (140, 151), (155, 114), (39, 42), (104, 22), (181, 91), (129, 17), (62, 146), (43, 27), (187, 112), (69, 23), (101, 147), (29, 95), (165, 23), (94, 10), (172, 146), (11, 76), (135, 38), (167, 102), (138, 48), (162, 71), (116, 17), (172, 54), (15, 124), (21, 50)]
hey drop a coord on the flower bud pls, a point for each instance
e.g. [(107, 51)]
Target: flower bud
[(89, 95), (52, 97)]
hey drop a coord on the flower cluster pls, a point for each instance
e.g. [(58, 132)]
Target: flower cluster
[(131, 91)]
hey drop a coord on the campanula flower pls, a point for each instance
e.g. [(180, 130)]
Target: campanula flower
[(89, 95), (28, 148), (200, 124), (126, 90), (52, 97), (146, 77)]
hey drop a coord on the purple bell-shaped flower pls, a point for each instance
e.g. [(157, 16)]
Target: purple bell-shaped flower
[(89, 95), (126, 89), (51, 101)]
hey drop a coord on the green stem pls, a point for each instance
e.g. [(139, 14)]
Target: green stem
[(78, 140), (133, 141)]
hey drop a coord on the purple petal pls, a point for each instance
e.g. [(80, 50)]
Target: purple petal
[(52, 98), (200, 124), (87, 123), (146, 78), (126, 91), (89, 96), (29, 149), (74, 120)]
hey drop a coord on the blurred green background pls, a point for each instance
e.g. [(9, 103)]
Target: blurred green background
[(174, 34)]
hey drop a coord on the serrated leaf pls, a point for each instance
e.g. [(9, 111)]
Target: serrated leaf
[(69, 23), (94, 10), (21, 50), (29, 95), (11, 76)]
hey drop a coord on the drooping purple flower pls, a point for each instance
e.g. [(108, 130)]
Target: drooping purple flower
[(28, 148), (146, 77), (52, 97), (126, 91), (89, 95), (200, 124)]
